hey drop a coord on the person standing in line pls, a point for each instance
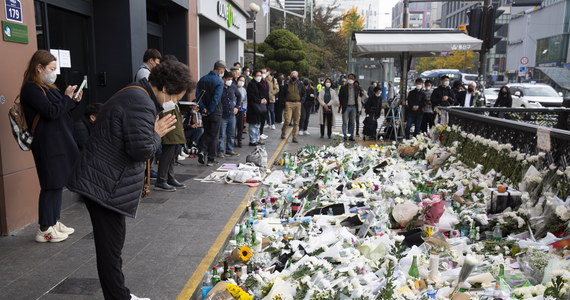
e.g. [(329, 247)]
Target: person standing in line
[(373, 84), (350, 106), (471, 97), (362, 97), (280, 99), (247, 73), (242, 105), (392, 91), (294, 97), (256, 108), (443, 95), (307, 107), (416, 103), (82, 128), (373, 105), (236, 66), (54, 148), (264, 74), (328, 99), (231, 98), (211, 108), (429, 115), (273, 86), (151, 59), (109, 173)]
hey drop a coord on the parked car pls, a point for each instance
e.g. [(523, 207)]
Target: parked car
[(490, 95), (468, 78), (534, 95)]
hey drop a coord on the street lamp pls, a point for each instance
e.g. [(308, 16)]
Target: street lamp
[(254, 10)]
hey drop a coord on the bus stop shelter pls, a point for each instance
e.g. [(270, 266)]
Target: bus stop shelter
[(405, 43)]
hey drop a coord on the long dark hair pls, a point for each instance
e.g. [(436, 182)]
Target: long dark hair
[(504, 95), (40, 57)]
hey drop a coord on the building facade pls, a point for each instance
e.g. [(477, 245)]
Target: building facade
[(422, 15), (104, 41), (539, 37)]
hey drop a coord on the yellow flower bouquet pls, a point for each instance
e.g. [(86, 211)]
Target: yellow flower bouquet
[(238, 293)]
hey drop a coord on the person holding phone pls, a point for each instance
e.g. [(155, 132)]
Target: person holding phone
[(54, 148)]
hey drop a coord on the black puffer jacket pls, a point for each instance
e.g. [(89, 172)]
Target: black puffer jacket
[(110, 170)]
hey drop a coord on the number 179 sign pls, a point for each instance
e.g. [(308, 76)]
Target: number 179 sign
[(13, 10)]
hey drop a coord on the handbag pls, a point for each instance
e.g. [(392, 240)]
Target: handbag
[(258, 108)]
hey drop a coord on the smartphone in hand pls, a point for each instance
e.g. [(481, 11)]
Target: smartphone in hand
[(78, 91)]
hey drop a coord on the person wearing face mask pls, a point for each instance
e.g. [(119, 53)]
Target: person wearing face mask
[(328, 99), (504, 99), (416, 103), (350, 106), (471, 97), (242, 105), (273, 87), (362, 98), (247, 73), (212, 87), (443, 95), (151, 59), (256, 108), (54, 148), (294, 97), (373, 105), (231, 98), (307, 106), (429, 115), (280, 99), (109, 173)]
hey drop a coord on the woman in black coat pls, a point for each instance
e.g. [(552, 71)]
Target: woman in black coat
[(109, 174), (256, 104), (504, 99), (53, 147)]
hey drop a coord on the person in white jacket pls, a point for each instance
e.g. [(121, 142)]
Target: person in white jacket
[(328, 99)]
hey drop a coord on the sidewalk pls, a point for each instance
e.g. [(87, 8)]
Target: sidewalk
[(170, 237)]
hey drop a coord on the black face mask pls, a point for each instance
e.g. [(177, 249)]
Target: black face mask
[(470, 90), (293, 78)]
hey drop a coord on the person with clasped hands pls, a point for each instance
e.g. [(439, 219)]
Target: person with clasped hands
[(54, 148), (109, 174)]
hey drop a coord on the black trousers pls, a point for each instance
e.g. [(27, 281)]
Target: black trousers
[(306, 109), (279, 105), (428, 119), (261, 125), (109, 231), (49, 210), (211, 136), (327, 121), (239, 126), (357, 122), (166, 163)]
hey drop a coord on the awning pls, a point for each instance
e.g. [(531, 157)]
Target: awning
[(561, 76), (417, 42)]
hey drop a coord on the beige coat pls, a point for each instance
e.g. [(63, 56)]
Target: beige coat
[(333, 104), (273, 87)]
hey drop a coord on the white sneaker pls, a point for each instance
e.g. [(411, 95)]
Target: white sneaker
[(307, 133), (263, 137), (180, 157), (63, 229), (50, 235), (272, 127), (301, 133), (182, 153), (133, 297)]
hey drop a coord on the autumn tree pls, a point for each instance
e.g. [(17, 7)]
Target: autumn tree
[(351, 21), (466, 61)]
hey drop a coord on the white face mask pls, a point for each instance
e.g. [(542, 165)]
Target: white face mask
[(378, 94), (419, 86), (350, 81), (49, 78), (328, 84), (446, 83), (229, 83), (428, 87), (168, 105), (264, 75), (241, 83), (246, 73), (258, 79)]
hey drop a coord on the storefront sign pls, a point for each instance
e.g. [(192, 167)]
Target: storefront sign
[(226, 12), (13, 10), (14, 32)]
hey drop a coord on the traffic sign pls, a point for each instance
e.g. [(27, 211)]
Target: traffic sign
[(524, 60), (13, 10)]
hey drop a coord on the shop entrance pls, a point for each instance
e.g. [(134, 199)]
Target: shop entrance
[(61, 29)]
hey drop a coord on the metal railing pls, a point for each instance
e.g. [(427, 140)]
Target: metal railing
[(521, 134), (553, 117)]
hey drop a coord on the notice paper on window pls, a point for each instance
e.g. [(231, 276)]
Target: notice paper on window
[(64, 59), (55, 53)]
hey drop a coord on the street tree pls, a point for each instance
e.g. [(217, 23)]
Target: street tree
[(466, 61), (351, 21), (283, 52)]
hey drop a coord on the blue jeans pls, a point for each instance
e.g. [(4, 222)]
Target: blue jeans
[(254, 132), (416, 119), (227, 135), (270, 113), (349, 119)]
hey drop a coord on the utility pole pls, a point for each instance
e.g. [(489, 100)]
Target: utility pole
[(483, 52), (406, 16)]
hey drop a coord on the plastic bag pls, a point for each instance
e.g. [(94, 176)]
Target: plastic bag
[(258, 157)]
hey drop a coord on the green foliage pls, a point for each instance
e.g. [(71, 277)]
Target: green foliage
[(263, 47), (282, 51)]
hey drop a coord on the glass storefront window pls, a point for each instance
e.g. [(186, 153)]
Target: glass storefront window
[(552, 50)]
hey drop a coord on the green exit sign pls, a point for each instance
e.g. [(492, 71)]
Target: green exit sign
[(14, 32)]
